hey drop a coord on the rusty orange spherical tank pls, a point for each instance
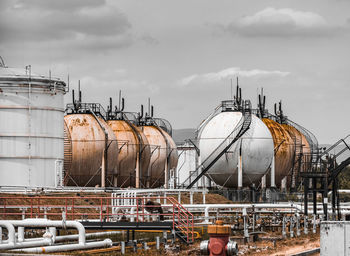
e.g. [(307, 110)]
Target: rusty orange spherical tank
[(84, 152), (301, 144), (284, 149), (131, 142), (173, 155), (161, 144)]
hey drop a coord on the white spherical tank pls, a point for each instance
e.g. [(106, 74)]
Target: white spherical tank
[(256, 148), (31, 128)]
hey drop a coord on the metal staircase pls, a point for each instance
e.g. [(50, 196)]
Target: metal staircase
[(324, 174), (224, 146)]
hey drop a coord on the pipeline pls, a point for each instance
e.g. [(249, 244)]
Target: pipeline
[(67, 247), (23, 244)]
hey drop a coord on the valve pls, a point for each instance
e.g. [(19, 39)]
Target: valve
[(219, 243)]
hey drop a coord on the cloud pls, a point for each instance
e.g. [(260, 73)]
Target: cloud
[(84, 22), (229, 73), (62, 5), (281, 22)]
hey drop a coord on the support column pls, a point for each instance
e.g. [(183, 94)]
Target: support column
[(325, 198), (103, 170), (314, 195), (166, 174), (284, 184), (137, 181), (263, 182), (240, 171), (334, 194), (306, 191), (273, 180)]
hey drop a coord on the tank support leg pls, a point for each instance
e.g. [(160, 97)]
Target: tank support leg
[(273, 183)]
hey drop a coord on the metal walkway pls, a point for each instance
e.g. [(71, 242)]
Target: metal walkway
[(110, 212)]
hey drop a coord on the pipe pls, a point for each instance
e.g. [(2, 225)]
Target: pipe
[(20, 234), (19, 245), (68, 247), (51, 223), (11, 231), (76, 236)]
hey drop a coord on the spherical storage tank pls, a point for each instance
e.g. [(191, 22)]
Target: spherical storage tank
[(163, 155), (31, 128), (285, 149), (131, 142), (84, 150), (256, 147)]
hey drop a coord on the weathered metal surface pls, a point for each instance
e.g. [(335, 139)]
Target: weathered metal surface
[(284, 149), (155, 174), (172, 152), (129, 148), (87, 148), (163, 149), (256, 147), (301, 146), (31, 128)]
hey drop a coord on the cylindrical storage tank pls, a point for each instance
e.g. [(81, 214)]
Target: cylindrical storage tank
[(284, 147), (131, 143), (256, 146), (163, 150), (85, 151), (301, 145), (31, 129)]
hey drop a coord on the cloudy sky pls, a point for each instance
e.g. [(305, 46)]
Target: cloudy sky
[(183, 53)]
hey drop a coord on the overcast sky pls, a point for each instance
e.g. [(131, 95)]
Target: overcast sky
[(183, 54)]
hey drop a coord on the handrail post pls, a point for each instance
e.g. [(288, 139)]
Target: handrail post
[(5, 200), (108, 199), (187, 228), (137, 210), (38, 207), (101, 209), (143, 209), (73, 208), (31, 207), (66, 206), (173, 217)]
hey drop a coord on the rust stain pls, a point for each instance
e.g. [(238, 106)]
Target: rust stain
[(87, 147), (285, 148)]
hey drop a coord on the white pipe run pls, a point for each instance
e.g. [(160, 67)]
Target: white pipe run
[(75, 237), (67, 247), (35, 223), (11, 242), (51, 223)]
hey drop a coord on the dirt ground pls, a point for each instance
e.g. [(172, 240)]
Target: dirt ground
[(289, 246)]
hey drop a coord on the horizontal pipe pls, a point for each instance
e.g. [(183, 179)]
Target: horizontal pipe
[(31, 108), (28, 244), (76, 236), (68, 247)]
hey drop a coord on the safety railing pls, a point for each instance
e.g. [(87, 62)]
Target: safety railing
[(104, 209)]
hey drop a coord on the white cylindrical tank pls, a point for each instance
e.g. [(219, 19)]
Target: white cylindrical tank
[(31, 129), (256, 149)]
